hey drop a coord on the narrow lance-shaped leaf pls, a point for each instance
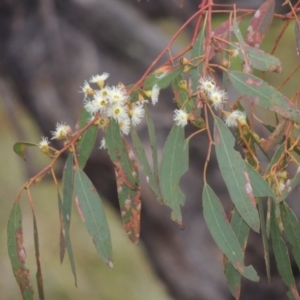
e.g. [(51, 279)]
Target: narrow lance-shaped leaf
[(90, 208), (260, 23), (67, 190), (39, 277), (282, 256), (297, 35), (261, 93), (234, 173), (198, 51), (260, 60), (128, 185), (17, 252), (19, 148), (66, 236), (292, 230), (264, 236), (241, 230), (86, 144), (173, 165), (223, 234), (153, 183), (162, 77), (153, 142)]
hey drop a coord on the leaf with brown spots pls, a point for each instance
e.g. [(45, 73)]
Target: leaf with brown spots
[(261, 93), (127, 177), (260, 23), (297, 35), (17, 252)]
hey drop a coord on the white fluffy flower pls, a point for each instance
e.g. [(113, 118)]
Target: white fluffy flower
[(155, 94), (97, 78), (124, 125), (44, 143), (180, 117), (118, 95), (118, 112), (62, 131), (87, 90), (232, 118), (218, 97), (207, 84), (136, 114)]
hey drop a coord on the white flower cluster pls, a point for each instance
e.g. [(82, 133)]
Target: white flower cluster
[(216, 95), (113, 102)]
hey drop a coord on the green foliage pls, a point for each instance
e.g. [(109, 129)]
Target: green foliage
[(258, 194)]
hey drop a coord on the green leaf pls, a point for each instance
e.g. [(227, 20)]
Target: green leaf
[(260, 23), (66, 236), (292, 230), (173, 165), (90, 208), (153, 142), (282, 256), (223, 234), (241, 230), (86, 144), (261, 93), (297, 35), (275, 157), (118, 153), (234, 173), (260, 60), (163, 77), (198, 50), (19, 148), (259, 186), (128, 185), (39, 277), (67, 190), (17, 252), (153, 182), (264, 237)]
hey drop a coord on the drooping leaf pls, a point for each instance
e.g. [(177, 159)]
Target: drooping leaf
[(297, 35), (264, 236), (260, 60), (173, 165), (128, 185), (67, 190), (86, 144), (292, 230), (259, 186), (153, 183), (90, 208), (17, 253), (198, 51), (275, 157), (260, 23), (153, 142), (282, 256), (234, 173), (261, 93), (162, 77), (223, 234), (241, 230), (39, 276), (65, 235), (19, 148)]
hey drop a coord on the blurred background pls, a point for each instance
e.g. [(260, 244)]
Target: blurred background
[(48, 49)]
